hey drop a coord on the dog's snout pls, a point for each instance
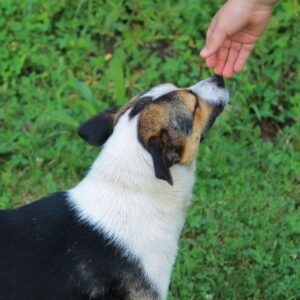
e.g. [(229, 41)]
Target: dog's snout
[(212, 90), (219, 81)]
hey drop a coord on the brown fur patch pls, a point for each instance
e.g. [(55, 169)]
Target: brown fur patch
[(171, 116), (191, 142), (188, 99), (180, 105), (152, 120)]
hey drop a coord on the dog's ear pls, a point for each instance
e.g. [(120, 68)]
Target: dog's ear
[(98, 129), (164, 155)]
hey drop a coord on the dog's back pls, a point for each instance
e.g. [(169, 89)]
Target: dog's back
[(47, 253)]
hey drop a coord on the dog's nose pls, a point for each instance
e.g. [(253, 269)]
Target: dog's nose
[(212, 90), (218, 80)]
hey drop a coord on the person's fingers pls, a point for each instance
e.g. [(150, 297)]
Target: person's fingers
[(211, 28), (243, 56), (209, 33), (222, 57), (234, 51), (211, 60), (214, 39)]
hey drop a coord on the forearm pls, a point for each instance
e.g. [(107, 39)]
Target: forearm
[(264, 2), (256, 4)]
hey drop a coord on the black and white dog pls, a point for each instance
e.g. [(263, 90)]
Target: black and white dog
[(115, 234)]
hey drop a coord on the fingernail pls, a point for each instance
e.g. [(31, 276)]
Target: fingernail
[(217, 71), (204, 52)]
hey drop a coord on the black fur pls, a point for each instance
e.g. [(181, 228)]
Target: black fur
[(46, 253), (164, 155), (98, 129), (140, 105), (143, 102), (184, 124)]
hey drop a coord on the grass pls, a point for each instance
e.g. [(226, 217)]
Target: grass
[(63, 61)]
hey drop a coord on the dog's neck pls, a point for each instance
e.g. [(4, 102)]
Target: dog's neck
[(121, 197)]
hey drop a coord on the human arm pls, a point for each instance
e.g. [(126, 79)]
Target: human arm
[(233, 33)]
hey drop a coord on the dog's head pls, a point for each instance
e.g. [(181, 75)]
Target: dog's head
[(171, 121)]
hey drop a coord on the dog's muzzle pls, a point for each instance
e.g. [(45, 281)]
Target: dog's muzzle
[(212, 90)]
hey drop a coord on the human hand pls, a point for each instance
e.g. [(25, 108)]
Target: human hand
[(233, 33)]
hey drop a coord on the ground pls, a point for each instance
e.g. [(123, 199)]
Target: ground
[(63, 61)]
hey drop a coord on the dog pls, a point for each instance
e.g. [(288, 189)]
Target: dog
[(115, 234)]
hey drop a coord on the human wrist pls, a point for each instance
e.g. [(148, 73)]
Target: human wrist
[(255, 4), (265, 3)]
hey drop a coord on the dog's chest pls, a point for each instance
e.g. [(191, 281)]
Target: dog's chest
[(145, 225)]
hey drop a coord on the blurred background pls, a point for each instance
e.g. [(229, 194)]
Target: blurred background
[(63, 61)]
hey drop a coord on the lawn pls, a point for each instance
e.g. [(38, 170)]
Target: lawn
[(63, 61)]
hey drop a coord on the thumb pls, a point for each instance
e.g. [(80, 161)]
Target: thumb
[(214, 39)]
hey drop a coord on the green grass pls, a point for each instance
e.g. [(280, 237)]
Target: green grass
[(63, 61)]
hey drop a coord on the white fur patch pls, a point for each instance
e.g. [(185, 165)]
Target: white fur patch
[(160, 90), (121, 197), (210, 92)]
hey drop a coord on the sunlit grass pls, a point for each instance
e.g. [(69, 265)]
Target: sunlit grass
[(63, 61)]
